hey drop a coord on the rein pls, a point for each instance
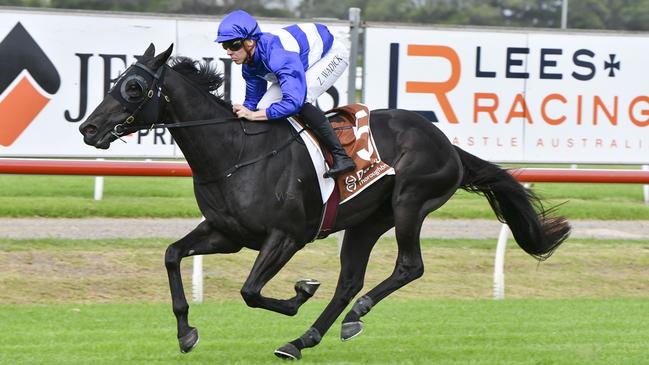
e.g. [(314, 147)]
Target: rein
[(122, 129), (125, 128), (130, 124)]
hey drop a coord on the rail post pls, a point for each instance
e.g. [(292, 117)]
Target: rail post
[(197, 277), (499, 260), (99, 185), (354, 25), (499, 263), (646, 187)]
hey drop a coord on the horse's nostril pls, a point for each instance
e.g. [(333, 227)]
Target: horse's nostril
[(89, 129)]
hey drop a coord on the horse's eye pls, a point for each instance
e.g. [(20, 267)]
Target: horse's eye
[(133, 89), (132, 85)]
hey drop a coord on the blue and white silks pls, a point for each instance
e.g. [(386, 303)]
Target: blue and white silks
[(300, 61)]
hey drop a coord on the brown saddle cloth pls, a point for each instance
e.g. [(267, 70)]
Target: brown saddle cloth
[(352, 126)]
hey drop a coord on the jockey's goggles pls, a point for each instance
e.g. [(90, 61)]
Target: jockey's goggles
[(233, 45)]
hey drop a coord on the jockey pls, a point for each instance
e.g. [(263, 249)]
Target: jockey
[(300, 61)]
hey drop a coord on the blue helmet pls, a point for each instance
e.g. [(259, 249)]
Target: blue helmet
[(238, 25)]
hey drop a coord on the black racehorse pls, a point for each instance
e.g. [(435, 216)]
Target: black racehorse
[(256, 187)]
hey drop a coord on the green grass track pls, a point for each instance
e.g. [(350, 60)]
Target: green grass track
[(569, 332), (72, 197)]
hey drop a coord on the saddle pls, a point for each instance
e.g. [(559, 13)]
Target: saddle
[(351, 124)]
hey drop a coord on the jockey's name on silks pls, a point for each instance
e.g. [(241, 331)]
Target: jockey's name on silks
[(330, 69)]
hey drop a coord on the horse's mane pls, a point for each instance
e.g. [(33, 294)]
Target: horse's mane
[(202, 74)]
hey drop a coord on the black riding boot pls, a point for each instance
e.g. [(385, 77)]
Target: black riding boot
[(319, 124)]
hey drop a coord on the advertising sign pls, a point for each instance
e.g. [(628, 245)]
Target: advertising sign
[(57, 67), (519, 96)]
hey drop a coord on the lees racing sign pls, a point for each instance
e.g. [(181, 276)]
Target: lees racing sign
[(57, 66), (519, 96)]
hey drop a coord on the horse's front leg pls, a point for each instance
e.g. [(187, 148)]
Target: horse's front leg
[(201, 241), (276, 251)]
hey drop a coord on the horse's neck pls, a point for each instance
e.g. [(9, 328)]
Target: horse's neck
[(208, 150)]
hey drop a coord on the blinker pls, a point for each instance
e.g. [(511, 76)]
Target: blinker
[(135, 90)]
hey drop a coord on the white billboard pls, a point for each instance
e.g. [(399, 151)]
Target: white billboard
[(519, 96), (57, 67)]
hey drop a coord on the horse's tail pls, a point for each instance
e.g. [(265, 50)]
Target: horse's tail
[(533, 227)]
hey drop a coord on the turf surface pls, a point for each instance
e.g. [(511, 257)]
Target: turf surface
[(569, 332), (117, 271), (72, 197)]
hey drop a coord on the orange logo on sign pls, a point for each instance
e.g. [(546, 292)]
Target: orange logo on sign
[(440, 89), (24, 101)]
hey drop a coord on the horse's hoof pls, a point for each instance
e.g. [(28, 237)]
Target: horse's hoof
[(307, 286), (288, 352), (350, 330), (188, 341)]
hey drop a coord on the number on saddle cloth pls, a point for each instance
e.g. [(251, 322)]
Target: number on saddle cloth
[(343, 120)]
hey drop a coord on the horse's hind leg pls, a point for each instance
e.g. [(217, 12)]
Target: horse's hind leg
[(354, 255), (409, 264), (201, 241)]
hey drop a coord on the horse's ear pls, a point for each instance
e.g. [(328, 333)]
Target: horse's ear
[(150, 52), (163, 57)]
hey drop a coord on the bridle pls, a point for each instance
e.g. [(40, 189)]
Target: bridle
[(139, 91), (145, 102)]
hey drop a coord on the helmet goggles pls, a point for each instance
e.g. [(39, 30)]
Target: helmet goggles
[(233, 45)]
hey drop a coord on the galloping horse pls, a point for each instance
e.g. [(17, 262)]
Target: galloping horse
[(256, 187)]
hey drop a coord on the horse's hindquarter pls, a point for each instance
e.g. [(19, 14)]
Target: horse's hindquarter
[(277, 192), (422, 156), (398, 133), (419, 152)]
